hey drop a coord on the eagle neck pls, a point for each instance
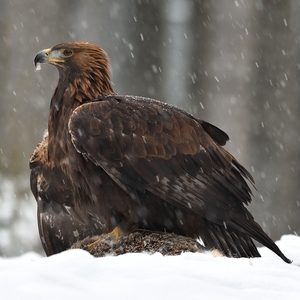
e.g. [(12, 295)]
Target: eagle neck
[(73, 89), (62, 105), (89, 86)]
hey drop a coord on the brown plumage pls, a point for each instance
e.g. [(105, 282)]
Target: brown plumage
[(141, 241), (131, 162)]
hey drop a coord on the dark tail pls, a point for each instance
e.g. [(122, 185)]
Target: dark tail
[(251, 228), (235, 239)]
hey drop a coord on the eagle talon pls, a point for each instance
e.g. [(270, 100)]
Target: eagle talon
[(113, 235)]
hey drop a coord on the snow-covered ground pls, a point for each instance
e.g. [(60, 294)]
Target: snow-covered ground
[(75, 274)]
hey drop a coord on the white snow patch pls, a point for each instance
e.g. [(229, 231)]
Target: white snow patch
[(75, 274)]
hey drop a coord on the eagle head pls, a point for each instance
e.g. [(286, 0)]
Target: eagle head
[(83, 65)]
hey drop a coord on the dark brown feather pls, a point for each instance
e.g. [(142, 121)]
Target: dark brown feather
[(134, 162)]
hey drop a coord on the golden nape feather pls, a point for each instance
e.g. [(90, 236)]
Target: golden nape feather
[(111, 161)]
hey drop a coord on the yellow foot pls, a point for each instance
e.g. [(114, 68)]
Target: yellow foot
[(115, 235)]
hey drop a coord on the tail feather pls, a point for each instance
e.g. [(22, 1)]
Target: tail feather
[(235, 239), (232, 243), (252, 229)]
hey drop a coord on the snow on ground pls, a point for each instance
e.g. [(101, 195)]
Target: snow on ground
[(75, 274)]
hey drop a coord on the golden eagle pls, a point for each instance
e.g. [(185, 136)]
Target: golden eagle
[(110, 161)]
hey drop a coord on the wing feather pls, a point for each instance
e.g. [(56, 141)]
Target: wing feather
[(148, 145)]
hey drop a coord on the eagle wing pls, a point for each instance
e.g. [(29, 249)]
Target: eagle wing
[(60, 221), (143, 144)]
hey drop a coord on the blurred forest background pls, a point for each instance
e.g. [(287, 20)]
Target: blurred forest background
[(235, 64)]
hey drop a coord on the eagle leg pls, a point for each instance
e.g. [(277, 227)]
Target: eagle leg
[(113, 235)]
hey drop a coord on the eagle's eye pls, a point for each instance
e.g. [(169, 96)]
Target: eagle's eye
[(67, 53)]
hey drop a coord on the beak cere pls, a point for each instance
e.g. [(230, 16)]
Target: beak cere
[(41, 57)]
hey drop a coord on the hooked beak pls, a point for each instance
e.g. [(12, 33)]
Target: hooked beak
[(47, 56)]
